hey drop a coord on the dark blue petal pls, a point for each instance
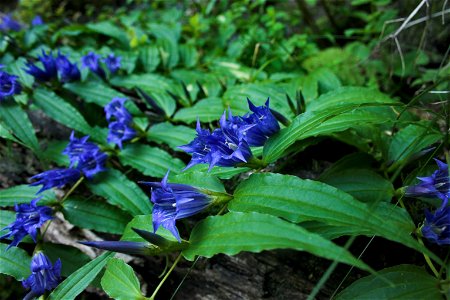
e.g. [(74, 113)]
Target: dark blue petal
[(44, 277), (55, 178), (9, 85)]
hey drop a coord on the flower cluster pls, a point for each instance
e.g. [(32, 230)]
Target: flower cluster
[(52, 67), (230, 144), (175, 201), (92, 61), (120, 129), (8, 23), (29, 218), (44, 276), (85, 158), (437, 225), (8, 84)]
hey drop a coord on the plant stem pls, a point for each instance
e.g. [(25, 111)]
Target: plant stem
[(165, 277), (428, 260), (72, 189)]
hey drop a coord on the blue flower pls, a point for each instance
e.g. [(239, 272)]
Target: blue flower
[(8, 85), (120, 132), (133, 248), (29, 218), (265, 124), (55, 178), (92, 162), (67, 70), (8, 23), (37, 20), (435, 186), (224, 147), (175, 201), (113, 62), (437, 226), (44, 276), (116, 108), (78, 147), (91, 61), (50, 68)]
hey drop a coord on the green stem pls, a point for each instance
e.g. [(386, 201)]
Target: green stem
[(428, 260), (72, 189), (165, 277)]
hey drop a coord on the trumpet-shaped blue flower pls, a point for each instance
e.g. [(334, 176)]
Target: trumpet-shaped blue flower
[(50, 68), (112, 62), (116, 109), (437, 226), (67, 70), (44, 276), (91, 61), (92, 162), (435, 186), (29, 218), (8, 23), (120, 132), (224, 147), (55, 178), (265, 124), (8, 85), (175, 201), (78, 147), (37, 21)]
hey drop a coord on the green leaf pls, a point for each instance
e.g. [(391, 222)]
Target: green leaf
[(17, 68), (24, 194), (206, 110), (53, 152), (150, 161), (110, 29), (409, 141), (6, 133), (363, 184), (221, 172), (63, 112), (80, 279), (17, 120), (149, 57), (254, 232), (172, 135), (399, 282), (128, 60), (96, 215), (71, 258), (201, 180), (300, 200), (154, 85), (100, 94), (6, 218), (189, 55), (313, 123), (118, 190), (120, 282), (14, 262)]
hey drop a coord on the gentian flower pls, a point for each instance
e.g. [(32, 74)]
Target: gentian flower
[(78, 147), (55, 178), (133, 248), (92, 162), (120, 132), (67, 70), (112, 62), (37, 20), (8, 85), (116, 108), (435, 186), (224, 147), (91, 61), (175, 201), (44, 276), (29, 218), (8, 23), (50, 68), (265, 124), (437, 226)]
